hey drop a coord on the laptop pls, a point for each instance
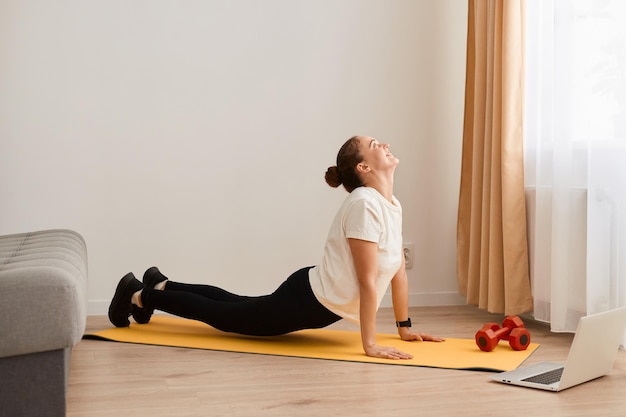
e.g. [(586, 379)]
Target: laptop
[(591, 355)]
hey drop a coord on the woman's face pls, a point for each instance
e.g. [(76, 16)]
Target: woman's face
[(376, 155)]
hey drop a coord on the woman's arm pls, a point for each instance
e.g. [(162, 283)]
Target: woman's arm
[(400, 299), (365, 255), (400, 296)]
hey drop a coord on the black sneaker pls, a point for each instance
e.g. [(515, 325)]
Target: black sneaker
[(151, 278), (121, 305)]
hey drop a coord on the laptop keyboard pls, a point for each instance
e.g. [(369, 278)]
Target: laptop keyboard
[(546, 378)]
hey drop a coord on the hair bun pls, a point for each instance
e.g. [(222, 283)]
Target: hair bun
[(332, 177)]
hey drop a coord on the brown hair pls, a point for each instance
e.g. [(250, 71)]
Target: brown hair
[(345, 171)]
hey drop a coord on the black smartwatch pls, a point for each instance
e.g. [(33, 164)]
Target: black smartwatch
[(404, 323)]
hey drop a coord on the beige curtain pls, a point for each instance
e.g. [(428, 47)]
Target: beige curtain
[(492, 249)]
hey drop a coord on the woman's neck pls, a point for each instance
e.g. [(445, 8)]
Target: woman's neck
[(384, 185)]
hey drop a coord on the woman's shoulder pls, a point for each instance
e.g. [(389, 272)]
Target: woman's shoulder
[(369, 194), (360, 195), (368, 199), (363, 192)]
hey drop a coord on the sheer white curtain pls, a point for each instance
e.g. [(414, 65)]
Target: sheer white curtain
[(575, 157)]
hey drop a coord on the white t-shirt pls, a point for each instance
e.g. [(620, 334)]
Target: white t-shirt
[(365, 215)]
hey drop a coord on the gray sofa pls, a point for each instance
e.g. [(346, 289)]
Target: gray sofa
[(43, 312)]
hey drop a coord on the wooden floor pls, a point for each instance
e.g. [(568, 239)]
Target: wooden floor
[(116, 379)]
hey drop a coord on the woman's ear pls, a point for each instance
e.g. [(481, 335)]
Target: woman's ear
[(362, 168)]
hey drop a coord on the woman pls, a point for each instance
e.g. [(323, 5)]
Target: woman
[(362, 256)]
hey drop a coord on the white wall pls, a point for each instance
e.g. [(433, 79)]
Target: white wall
[(194, 135)]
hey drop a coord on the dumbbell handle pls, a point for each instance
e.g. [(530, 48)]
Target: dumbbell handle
[(502, 332)]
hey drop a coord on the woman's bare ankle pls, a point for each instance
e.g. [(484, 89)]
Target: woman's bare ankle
[(136, 299)]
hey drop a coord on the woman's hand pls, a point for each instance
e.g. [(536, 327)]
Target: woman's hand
[(407, 335), (389, 352), (386, 352)]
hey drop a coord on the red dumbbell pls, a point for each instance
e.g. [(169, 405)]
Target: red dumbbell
[(512, 329)]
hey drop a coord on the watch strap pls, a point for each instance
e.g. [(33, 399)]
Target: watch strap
[(406, 323)]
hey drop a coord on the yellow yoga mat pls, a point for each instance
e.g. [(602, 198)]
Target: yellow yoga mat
[(317, 344)]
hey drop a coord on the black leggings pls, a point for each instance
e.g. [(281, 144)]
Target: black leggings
[(291, 307)]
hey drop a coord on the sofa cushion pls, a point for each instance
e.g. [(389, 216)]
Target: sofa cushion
[(43, 281)]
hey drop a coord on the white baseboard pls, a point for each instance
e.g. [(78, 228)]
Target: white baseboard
[(101, 307)]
